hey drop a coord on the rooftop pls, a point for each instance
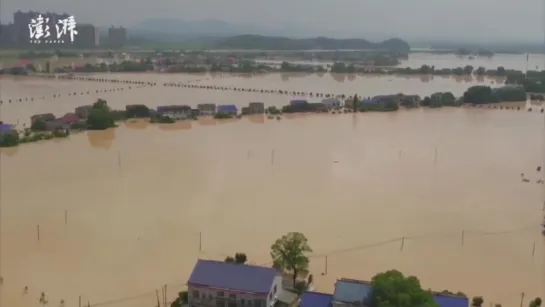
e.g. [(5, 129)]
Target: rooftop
[(350, 290), (445, 300), (173, 108), (227, 108), (298, 101), (231, 276), (6, 127), (316, 299)]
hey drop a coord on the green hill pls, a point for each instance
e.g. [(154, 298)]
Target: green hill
[(318, 43)]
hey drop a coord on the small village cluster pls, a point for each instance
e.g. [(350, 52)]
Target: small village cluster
[(215, 283)]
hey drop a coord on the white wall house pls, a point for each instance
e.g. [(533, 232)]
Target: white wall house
[(220, 284), (331, 103), (176, 112)]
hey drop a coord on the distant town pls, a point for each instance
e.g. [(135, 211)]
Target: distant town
[(16, 34)]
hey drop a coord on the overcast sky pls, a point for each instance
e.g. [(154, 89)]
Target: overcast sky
[(474, 20)]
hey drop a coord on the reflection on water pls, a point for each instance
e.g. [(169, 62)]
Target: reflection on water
[(257, 119), (137, 124), (101, 139), (9, 151), (137, 207), (440, 61), (180, 125), (207, 121)]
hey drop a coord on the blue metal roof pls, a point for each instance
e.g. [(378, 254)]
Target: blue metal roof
[(349, 290), (6, 127), (231, 276), (227, 108), (445, 300), (315, 299), (298, 101)]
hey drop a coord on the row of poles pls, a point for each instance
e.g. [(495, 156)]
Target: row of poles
[(462, 238), (403, 244), (65, 222), (273, 156)]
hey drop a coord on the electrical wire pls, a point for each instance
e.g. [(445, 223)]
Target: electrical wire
[(473, 233)]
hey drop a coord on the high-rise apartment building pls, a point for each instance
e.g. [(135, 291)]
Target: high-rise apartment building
[(117, 36), (88, 36)]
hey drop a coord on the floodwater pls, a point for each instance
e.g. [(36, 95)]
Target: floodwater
[(416, 60), (435, 193)]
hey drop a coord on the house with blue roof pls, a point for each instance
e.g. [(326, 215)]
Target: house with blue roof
[(230, 109), (220, 284), (316, 299), (5, 129), (298, 102), (350, 292), (379, 99)]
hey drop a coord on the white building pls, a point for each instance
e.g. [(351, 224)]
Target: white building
[(221, 284), (176, 112), (331, 103)]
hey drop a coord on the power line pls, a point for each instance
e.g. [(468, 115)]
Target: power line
[(477, 233)]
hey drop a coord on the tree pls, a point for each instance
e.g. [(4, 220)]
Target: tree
[(289, 254), (355, 103), (392, 288), (182, 299), (38, 125), (137, 111), (480, 71), (535, 302), (9, 139), (100, 116), (477, 301), (240, 258), (478, 94), (229, 259)]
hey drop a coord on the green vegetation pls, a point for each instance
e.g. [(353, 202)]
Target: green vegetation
[(181, 300), (289, 254), (222, 115), (535, 302), (13, 139), (392, 288), (288, 67), (137, 111), (532, 81), (240, 258), (481, 94), (389, 105), (272, 110), (38, 125), (125, 66), (9, 139), (161, 119), (283, 43), (440, 99), (47, 54), (100, 116)]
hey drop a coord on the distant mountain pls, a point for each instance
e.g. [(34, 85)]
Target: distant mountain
[(209, 27), (318, 43)]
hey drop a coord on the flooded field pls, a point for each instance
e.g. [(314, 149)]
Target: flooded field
[(122, 212), (42, 91), (415, 60)]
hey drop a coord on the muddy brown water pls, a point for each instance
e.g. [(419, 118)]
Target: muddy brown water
[(138, 197)]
